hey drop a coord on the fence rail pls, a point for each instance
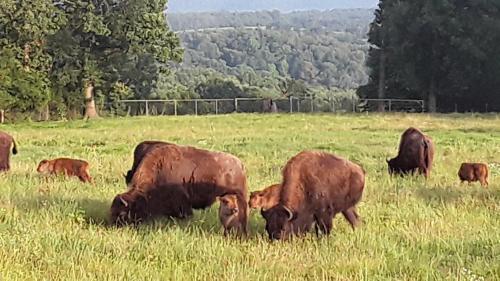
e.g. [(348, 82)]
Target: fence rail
[(260, 105)]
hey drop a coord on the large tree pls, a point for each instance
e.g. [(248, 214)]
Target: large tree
[(105, 40)]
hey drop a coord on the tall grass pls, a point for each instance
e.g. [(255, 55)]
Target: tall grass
[(412, 229)]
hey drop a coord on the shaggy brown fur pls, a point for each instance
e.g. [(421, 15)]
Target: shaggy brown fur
[(316, 186), (416, 152), (140, 150), (67, 167), (474, 172), (171, 180), (230, 215), (6, 144)]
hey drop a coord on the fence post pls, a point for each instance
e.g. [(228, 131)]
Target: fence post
[(236, 105), (390, 105), (175, 107), (298, 105), (2, 116), (216, 108), (290, 100), (312, 104), (147, 108), (353, 107), (195, 107)]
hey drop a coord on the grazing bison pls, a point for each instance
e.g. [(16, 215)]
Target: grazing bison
[(316, 186), (67, 167), (140, 150), (474, 172), (416, 152), (6, 143), (230, 215), (171, 180)]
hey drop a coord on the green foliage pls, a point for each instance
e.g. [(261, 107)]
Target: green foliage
[(412, 229), (438, 50)]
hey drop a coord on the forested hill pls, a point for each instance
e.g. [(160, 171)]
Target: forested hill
[(257, 50), (350, 20)]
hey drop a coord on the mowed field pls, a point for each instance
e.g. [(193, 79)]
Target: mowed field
[(412, 229)]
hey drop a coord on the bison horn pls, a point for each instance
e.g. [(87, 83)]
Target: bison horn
[(290, 213), (123, 201)]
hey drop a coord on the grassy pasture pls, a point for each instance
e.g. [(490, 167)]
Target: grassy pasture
[(412, 229)]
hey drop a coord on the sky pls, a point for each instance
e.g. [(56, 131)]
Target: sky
[(177, 6)]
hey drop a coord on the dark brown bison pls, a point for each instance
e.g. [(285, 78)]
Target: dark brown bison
[(140, 150), (6, 144), (171, 180), (416, 152), (66, 166), (316, 186), (474, 172), (230, 215)]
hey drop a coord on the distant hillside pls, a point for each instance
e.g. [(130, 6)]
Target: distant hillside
[(254, 51), (258, 5), (354, 20)]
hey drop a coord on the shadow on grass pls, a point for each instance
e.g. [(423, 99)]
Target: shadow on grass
[(450, 195)]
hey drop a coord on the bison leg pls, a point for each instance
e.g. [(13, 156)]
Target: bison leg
[(352, 217), (324, 223)]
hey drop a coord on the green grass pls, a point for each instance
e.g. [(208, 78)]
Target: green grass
[(412, 229)]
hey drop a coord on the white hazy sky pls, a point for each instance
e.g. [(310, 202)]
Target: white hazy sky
[(249, 5)]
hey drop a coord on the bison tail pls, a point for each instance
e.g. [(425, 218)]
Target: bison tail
[(14, 148), (427, 157)]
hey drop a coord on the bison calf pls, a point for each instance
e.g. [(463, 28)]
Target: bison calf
[(474, 172), (230, 215), (67, 167), (266, 198)]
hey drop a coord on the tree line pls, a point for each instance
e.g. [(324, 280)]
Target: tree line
[(445, 52), (56, 56)]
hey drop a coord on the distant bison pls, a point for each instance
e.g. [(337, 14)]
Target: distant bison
[(316, 186), (474, 172), (230, 215), (171, 180), (6, 144), (416, 152), (139, 152), (67, 167)]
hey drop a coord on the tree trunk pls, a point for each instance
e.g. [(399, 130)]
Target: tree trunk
[(90, 109), (26, 59), (381, 82), (431, 104), (46, 113)]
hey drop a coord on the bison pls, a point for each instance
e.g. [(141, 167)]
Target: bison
[(172, 180), (316, 186), (67, 167), (230, 215), (474, 172), (7, 143), (416, 152), (140, 150)]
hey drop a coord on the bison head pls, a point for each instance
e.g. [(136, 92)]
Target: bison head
[(127, 209), (391, 166), (277, 220), (255, 200), (43, 167)]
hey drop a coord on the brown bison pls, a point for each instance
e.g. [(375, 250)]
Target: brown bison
[(66, 166), (270, 196), (140, 150), (416, 152), (171, 180), (6, 144), (316, 186), (474, 172), (230, 215)]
